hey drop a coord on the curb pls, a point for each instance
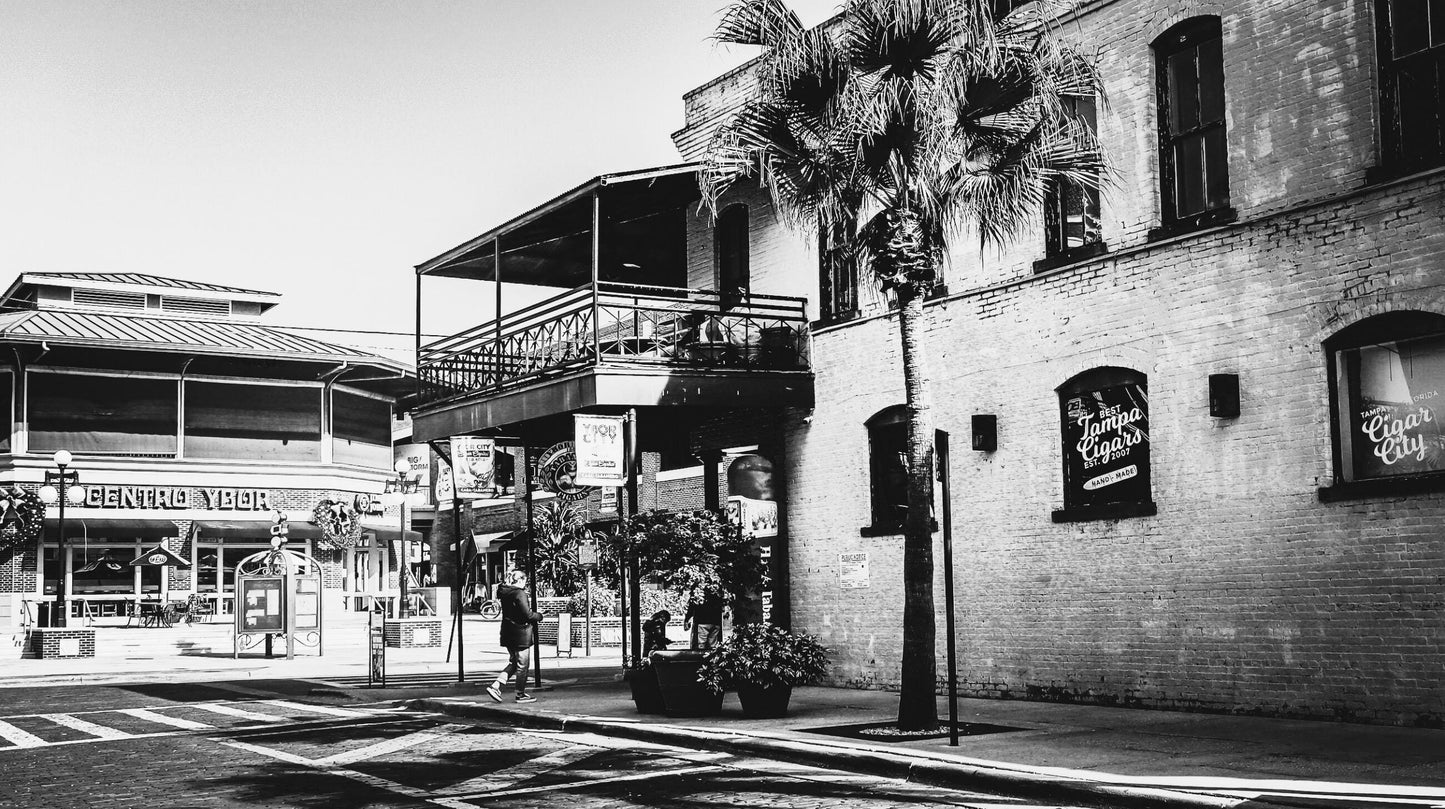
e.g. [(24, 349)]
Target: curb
[(1014, 781)]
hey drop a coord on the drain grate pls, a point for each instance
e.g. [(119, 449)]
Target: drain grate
[(888, 732)]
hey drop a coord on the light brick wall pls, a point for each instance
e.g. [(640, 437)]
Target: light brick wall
[(1245, 593)]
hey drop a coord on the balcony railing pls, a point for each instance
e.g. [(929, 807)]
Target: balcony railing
[(617, 324)]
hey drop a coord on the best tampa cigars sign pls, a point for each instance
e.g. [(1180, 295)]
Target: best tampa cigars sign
[(1106, 436)]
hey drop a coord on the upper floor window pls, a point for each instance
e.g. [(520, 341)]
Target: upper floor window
[(1105, 419), (91, 413), (254, 421), (837, 273), (1412, 83), (1071, 211), (1193, 159), (730, 239), (361, 430), (888, 467), (1388, 378)]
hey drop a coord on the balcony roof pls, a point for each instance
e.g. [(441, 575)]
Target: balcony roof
[(551, 244)]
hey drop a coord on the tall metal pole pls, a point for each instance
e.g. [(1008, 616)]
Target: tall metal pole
[(940, 442), (457, 580), (62, 606), (531, 571), (633, 573), (405, 610)]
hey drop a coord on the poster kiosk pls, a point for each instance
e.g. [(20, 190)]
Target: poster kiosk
[(278, 593)]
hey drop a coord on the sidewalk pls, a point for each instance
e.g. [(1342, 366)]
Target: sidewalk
[(1115, 755)]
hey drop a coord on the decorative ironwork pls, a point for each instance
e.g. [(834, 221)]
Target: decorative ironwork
[(618, 324)]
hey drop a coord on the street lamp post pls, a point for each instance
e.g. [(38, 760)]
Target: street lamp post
[(403, 468), (61, 486)]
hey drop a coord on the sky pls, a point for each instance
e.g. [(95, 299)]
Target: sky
[(322, 148)]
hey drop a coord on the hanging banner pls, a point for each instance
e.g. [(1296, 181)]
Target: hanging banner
[(472, 465), (601, 456)]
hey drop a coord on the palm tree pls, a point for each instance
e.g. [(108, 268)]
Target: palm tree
[(906, 122)]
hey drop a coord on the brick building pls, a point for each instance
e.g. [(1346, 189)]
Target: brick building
[(1209, 474), (190, 422)]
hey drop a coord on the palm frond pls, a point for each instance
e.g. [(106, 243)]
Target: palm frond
[(758, 22)]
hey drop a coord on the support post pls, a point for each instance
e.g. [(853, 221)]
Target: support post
[(940, 443), (531, 566)]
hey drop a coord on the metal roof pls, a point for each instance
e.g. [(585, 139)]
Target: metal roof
[(140, 279), (170, 334)]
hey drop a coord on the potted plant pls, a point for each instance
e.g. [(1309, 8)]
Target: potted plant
[(646, 693), (683, 692), (763, 663)]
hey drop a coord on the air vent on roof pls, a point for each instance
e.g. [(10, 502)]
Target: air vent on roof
[(195, 306), (108, 300)]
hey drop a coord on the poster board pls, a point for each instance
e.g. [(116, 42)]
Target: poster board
[(564, 634), (262, 601), (308, 603)]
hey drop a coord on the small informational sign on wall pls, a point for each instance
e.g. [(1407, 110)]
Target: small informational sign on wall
[(853, 569), (601, 454), (757, 517)]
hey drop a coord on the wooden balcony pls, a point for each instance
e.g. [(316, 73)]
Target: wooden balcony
[(619, 328)]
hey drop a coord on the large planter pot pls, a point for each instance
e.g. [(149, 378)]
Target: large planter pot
[(645, 692), (764, 702), (682, 694)]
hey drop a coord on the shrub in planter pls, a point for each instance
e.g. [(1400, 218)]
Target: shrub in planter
[(646, 693), (683, 692), (763, 663)]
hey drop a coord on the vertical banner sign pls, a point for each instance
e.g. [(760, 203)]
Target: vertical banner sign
[(472, 457), (601, 457), (1106, 445)]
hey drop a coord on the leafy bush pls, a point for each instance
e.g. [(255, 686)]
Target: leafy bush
[(764, 655), (605, 603), (696, 553)]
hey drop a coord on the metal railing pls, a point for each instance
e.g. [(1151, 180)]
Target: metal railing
[(617, 324)]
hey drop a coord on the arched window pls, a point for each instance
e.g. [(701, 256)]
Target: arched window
[(1193, 159), (1105, 419), (888, 467), (730, 240), (1387, 379)]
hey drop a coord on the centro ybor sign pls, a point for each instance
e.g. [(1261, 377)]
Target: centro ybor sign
[(177, 497)]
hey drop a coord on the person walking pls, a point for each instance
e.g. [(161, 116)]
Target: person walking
[(518, 618), (704, 619)]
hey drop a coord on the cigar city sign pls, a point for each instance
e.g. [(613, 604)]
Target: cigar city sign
[(177, 497)]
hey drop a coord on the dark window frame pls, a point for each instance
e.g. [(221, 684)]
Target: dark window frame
[(1196, 126), (1349, 482), (1057, 251), (887, 435), (837, 274), (1103, 378), (1399, 156), (732, 253)]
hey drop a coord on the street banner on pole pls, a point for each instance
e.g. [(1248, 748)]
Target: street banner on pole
[(472, 459), (601, 455)]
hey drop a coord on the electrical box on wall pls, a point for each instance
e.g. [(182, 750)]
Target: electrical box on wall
[(1224, 395), (985, 432)]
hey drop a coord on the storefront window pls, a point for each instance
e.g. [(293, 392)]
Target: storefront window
[(91, 413), (1389, 377), (1105, 418), (253, 421)]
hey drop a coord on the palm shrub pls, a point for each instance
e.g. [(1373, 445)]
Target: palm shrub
[(558, 527), (765, 656), (904, 124)]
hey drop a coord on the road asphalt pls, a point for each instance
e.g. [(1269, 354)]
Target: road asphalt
[(1041, 750)]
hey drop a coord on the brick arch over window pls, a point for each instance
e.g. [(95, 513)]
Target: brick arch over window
[(1387, 403), (1104, 419), (888, 467)]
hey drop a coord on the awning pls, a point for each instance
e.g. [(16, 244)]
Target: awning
[(158, 556), (111, 528), (391, 534), (259, 530), (491, 543)]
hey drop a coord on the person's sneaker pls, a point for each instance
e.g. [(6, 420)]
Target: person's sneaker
[(494, 692), (526, 698)]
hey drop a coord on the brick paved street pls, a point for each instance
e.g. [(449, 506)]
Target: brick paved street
[(216, 745)]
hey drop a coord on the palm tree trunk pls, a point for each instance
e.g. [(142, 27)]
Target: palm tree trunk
[(917, 697)]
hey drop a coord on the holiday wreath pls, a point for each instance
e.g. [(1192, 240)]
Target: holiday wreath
[(22, 517), (340, 527)]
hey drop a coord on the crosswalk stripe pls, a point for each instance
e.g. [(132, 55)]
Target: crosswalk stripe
[(76, 723), (18, 737), (388, 746), (227, 710), (160, 718), (511, 776), (321, 709)]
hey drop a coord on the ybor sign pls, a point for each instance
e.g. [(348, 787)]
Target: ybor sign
[(177, 497)]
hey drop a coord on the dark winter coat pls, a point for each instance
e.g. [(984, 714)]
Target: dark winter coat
[(517, 617)]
